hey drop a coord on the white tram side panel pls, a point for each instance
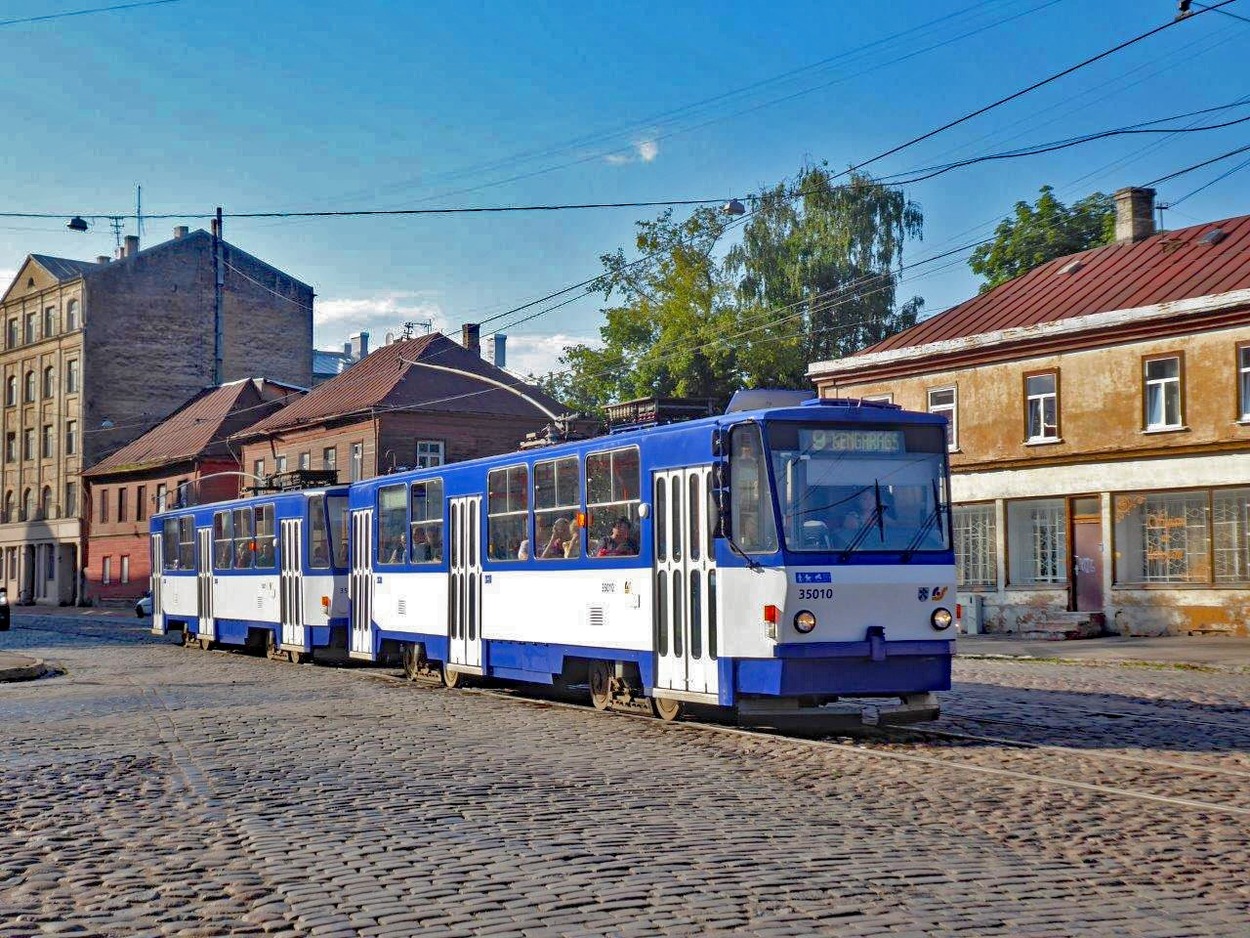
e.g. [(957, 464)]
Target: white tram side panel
[(179, 598), (571, 607), (410, 602), (248, 597)]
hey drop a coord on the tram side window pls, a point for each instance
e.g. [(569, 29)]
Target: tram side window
[(244, 546), (557, 501), (508, 513), (612, 494), (186, 543), (265, 552), (392, 524), (318, 533), (427, 521), (753, 527), (169, 544), (340, 529), (223, 541)]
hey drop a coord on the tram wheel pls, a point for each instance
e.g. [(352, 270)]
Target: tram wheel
[(205, 644), (412, 660), (666, 709), (600, 685), (453, 679), (296, 657)]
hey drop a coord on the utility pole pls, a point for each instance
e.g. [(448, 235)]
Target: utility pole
[(219, 275)]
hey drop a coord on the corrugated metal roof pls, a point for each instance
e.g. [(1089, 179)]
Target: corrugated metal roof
[(1173, 265), (64, 268), (201, 426), (385, 381)]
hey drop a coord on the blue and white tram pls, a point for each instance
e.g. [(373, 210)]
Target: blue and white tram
[(267, 571), (768, 559)]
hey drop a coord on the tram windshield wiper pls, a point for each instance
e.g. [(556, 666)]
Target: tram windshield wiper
[(876, 516), (935, 517)]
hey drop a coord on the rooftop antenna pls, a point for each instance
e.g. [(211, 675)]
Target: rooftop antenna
[(139, 211), (116, 221), (410, 327), (1159, 207)]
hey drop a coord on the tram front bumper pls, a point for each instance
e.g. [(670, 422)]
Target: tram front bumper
[(881, 669)]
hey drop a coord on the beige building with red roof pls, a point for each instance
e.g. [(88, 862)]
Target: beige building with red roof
[(185, 459), (416, 402), (1099, 412)]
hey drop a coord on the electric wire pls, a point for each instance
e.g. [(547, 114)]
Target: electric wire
[(69, 13)]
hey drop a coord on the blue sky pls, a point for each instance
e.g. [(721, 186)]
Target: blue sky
[(285, 106)]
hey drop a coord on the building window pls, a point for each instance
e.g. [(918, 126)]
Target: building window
[(885, 398), (1163, 393), (305, 460), (121, 504), (162, 497), (358, 461), (104, 506), (28, 505), (10, 447), (125, 568), (49, 441), (1162, 537), (258, 470), (71, 499), (46, 509), (71, 437), (71, 315), (31, 326), (106, 571), (942, 401), (71, 376), (12, 334), (279, 464), (9, 510), (28, 443), (329, 457), (30, 387), (49, 382), (1041, 401), (10, 391), (429, 453), (1243, 380), (1037, 536), (49, 322), (976, 545), (141, 503)]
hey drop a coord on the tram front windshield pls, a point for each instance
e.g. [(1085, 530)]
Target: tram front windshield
[(860, 489)]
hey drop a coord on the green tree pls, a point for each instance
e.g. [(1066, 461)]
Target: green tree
[(812, 278), (814, 274), (1041, 232)]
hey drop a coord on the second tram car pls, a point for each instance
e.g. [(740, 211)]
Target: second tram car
[(767, 559), (267, 571)]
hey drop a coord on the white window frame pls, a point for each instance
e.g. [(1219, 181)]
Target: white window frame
[(106, 571), (950, 411), (1243, 380), (976, 545), (358, 462), (125, 568), (1035, 408), (1152, 387), (429, 453)]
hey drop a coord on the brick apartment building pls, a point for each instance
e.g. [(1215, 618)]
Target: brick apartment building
[(415, 402), (183, 459), (95, 353), (1099, 411)]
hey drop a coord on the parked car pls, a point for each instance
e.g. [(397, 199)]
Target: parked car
[(143, 606)]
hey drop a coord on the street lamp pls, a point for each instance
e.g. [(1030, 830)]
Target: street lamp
[(734, 207), (77, 223)]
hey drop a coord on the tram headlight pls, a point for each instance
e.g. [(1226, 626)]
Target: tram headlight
[(804, 621), (941, 619)]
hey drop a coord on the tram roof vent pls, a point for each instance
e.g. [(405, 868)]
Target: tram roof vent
[(655, 411), (762, 398), (297, 479), (850, 402)]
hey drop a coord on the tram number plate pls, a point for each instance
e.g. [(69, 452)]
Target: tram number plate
[(816, 593), (822, 577)]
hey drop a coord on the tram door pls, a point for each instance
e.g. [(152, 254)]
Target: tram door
[(360, 585), (204, 583), (158, 611), (464, 608), (291, 584), (686, 633)]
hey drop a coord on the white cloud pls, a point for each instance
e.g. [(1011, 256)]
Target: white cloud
[(644, 151), (538, 354), (336, 319)]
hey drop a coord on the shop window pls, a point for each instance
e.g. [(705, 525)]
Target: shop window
[(976, 545), (1230, 531), (943, 401), (1037, 536), (1162, 537)]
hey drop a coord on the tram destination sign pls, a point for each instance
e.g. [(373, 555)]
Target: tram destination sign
[(817, 440)]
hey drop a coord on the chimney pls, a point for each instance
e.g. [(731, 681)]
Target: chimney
[(471, 337), (1134, 215), (132, 246), (359, 345), (180, 231), (501, 350), (216, 226), (347, 349), (102, 258)]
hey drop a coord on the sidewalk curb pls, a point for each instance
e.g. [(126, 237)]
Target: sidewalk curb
[(1109, 663)]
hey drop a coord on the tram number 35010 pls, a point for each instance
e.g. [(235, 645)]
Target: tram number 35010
[(816, 593)]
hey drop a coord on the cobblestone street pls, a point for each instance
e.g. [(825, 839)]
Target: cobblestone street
[(151, 790)]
